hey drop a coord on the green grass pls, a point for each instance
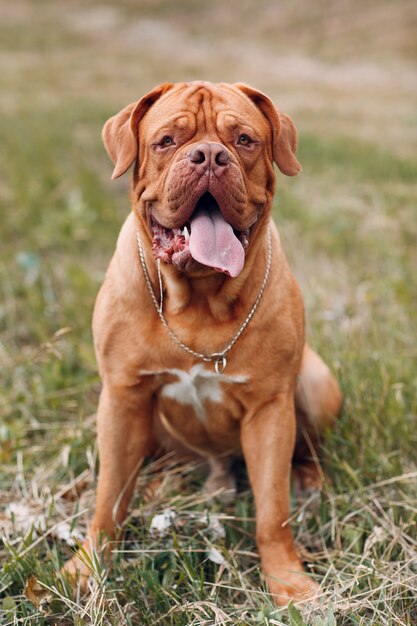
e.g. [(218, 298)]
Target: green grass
[(348, 225)]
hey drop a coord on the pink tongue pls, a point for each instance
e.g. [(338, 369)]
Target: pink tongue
[(213, 242)]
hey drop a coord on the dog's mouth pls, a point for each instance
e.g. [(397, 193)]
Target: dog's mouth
[(206, 238)]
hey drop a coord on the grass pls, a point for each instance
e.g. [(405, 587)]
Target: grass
[(348, 225)]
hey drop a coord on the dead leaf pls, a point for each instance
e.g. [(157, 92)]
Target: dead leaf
[(38, 595), (74, 490)]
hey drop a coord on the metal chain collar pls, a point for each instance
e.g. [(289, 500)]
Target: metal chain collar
[(218, 358)]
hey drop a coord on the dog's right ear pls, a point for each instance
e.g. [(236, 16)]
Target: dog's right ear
[(120, 132)]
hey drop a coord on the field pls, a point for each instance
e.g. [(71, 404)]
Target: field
[(347, 73)]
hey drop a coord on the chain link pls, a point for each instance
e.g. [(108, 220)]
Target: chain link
[(218, 358)]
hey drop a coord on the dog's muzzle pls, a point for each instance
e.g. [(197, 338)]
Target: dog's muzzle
[(206, 238)]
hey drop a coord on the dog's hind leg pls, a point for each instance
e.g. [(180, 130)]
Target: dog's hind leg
[(318, 401), (220, 482)]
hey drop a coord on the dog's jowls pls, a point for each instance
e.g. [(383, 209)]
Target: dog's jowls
[(202, 187)]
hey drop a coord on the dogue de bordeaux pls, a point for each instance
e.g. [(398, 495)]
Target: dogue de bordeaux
[(199, 325)]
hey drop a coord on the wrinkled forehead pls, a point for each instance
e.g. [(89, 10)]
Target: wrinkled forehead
[(208, 103)]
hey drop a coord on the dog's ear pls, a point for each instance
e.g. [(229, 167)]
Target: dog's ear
[(120, 132), (284, 132)]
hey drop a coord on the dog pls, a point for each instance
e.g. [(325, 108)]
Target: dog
[(199, 325)]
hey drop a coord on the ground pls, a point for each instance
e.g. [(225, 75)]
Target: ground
[(347, 73)]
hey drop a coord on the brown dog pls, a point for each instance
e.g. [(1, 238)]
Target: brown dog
[(220, 366)]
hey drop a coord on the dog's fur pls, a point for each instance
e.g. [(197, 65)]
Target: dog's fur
[(276, 394)]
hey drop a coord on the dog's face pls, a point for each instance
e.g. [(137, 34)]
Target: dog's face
[(204, 173)]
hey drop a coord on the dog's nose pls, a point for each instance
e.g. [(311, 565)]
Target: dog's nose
[(209, 155)]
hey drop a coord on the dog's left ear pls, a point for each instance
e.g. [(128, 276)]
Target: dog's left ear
[(284, 132), (120, 132)]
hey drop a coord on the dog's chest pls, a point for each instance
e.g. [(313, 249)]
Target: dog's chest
[(200, 390)]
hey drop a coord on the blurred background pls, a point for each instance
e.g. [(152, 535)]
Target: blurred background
[(346, 72)]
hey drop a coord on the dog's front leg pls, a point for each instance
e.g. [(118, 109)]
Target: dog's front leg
[(124, 436), (268, 442)]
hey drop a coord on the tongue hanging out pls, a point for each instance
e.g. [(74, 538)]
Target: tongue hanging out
[(213, 242)]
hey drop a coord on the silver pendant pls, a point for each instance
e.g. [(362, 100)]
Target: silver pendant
[(219, 361)]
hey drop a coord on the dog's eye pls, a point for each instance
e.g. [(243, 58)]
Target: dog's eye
[(167, 141), (244, 140)]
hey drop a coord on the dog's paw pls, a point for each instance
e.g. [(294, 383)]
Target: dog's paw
[(221, 486), (78, 571), (307, 479), (297, 586)]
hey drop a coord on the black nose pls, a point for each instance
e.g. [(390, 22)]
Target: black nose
[(212, 155)]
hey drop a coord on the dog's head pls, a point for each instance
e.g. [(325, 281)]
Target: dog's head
[(203, 176)]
